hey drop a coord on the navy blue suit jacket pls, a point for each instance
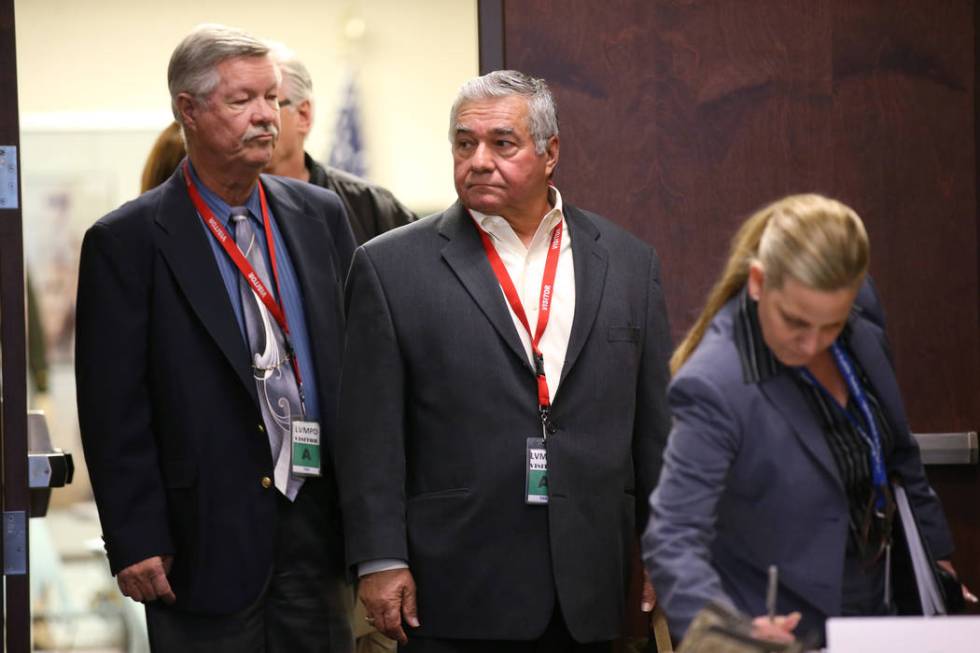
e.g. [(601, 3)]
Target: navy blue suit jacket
[(167, 404)]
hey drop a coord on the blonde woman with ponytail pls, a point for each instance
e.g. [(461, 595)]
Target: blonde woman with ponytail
[(787, 418)]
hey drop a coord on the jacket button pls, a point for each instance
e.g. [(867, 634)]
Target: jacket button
[(266, 482), (261, 429)]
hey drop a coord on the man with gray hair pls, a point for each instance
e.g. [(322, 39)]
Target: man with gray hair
[(208, 348), (371, 209), (502, 405)]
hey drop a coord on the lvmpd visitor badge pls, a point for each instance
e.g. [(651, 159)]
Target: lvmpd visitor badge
[(306, 448), (537, 472)]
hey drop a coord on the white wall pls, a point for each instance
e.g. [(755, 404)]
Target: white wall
[(101, 64)]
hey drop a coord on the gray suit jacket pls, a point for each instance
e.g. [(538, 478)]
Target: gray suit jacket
[(749, 481), (438, 399)]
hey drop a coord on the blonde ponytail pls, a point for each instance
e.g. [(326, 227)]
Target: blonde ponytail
[(816, 240)]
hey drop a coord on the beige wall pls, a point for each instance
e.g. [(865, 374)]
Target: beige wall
[(101, 65), (93, 97)]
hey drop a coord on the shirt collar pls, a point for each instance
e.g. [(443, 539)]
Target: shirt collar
[(220, 208), (493, 224)]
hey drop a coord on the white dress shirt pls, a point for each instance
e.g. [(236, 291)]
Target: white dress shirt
[(525, 265)]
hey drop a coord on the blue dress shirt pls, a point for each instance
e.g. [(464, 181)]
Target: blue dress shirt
[(292, 295)]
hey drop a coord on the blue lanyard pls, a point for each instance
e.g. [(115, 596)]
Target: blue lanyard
[(871, 434)]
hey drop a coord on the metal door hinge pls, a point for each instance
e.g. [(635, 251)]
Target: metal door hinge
[(15, 543)]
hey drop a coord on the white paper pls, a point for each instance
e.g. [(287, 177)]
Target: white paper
[(903, 634), (929, 592)]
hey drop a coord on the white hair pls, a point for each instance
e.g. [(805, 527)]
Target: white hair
[(542, 113)]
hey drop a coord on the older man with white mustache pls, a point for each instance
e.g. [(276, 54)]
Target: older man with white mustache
[(209, 333)]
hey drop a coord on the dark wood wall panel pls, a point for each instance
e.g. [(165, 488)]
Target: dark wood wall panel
[(904, 156), (679, 117)]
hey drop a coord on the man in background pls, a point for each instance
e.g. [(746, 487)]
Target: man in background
[(208, 345), (371, 209)]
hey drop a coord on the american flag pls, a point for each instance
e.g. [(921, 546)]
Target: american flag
[(347, 152)]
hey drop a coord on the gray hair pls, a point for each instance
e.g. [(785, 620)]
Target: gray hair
[(193, 64), (542, 113), (300, 83)]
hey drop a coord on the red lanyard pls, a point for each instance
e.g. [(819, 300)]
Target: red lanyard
[(231, 248), (547, 290)]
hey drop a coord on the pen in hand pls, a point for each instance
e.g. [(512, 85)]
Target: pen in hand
[(771, 627), (771, 592)]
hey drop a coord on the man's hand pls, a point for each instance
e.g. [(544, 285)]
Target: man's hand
[(388, 596), (147, 580)]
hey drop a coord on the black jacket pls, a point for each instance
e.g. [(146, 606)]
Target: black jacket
[(371, 210), (438, 399)]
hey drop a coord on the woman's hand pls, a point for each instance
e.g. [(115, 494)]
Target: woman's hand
[(777, 629)]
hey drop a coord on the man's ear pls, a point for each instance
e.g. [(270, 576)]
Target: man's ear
[(551, 155), (187, 107), (304, 117)]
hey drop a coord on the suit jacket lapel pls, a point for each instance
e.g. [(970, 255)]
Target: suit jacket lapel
[(784, 394), (465, 255), (590, 261), (184, 245), (866, 346), (316, 279)]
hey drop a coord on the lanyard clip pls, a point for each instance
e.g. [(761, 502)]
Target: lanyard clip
[(550, 428), (538, 363)]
